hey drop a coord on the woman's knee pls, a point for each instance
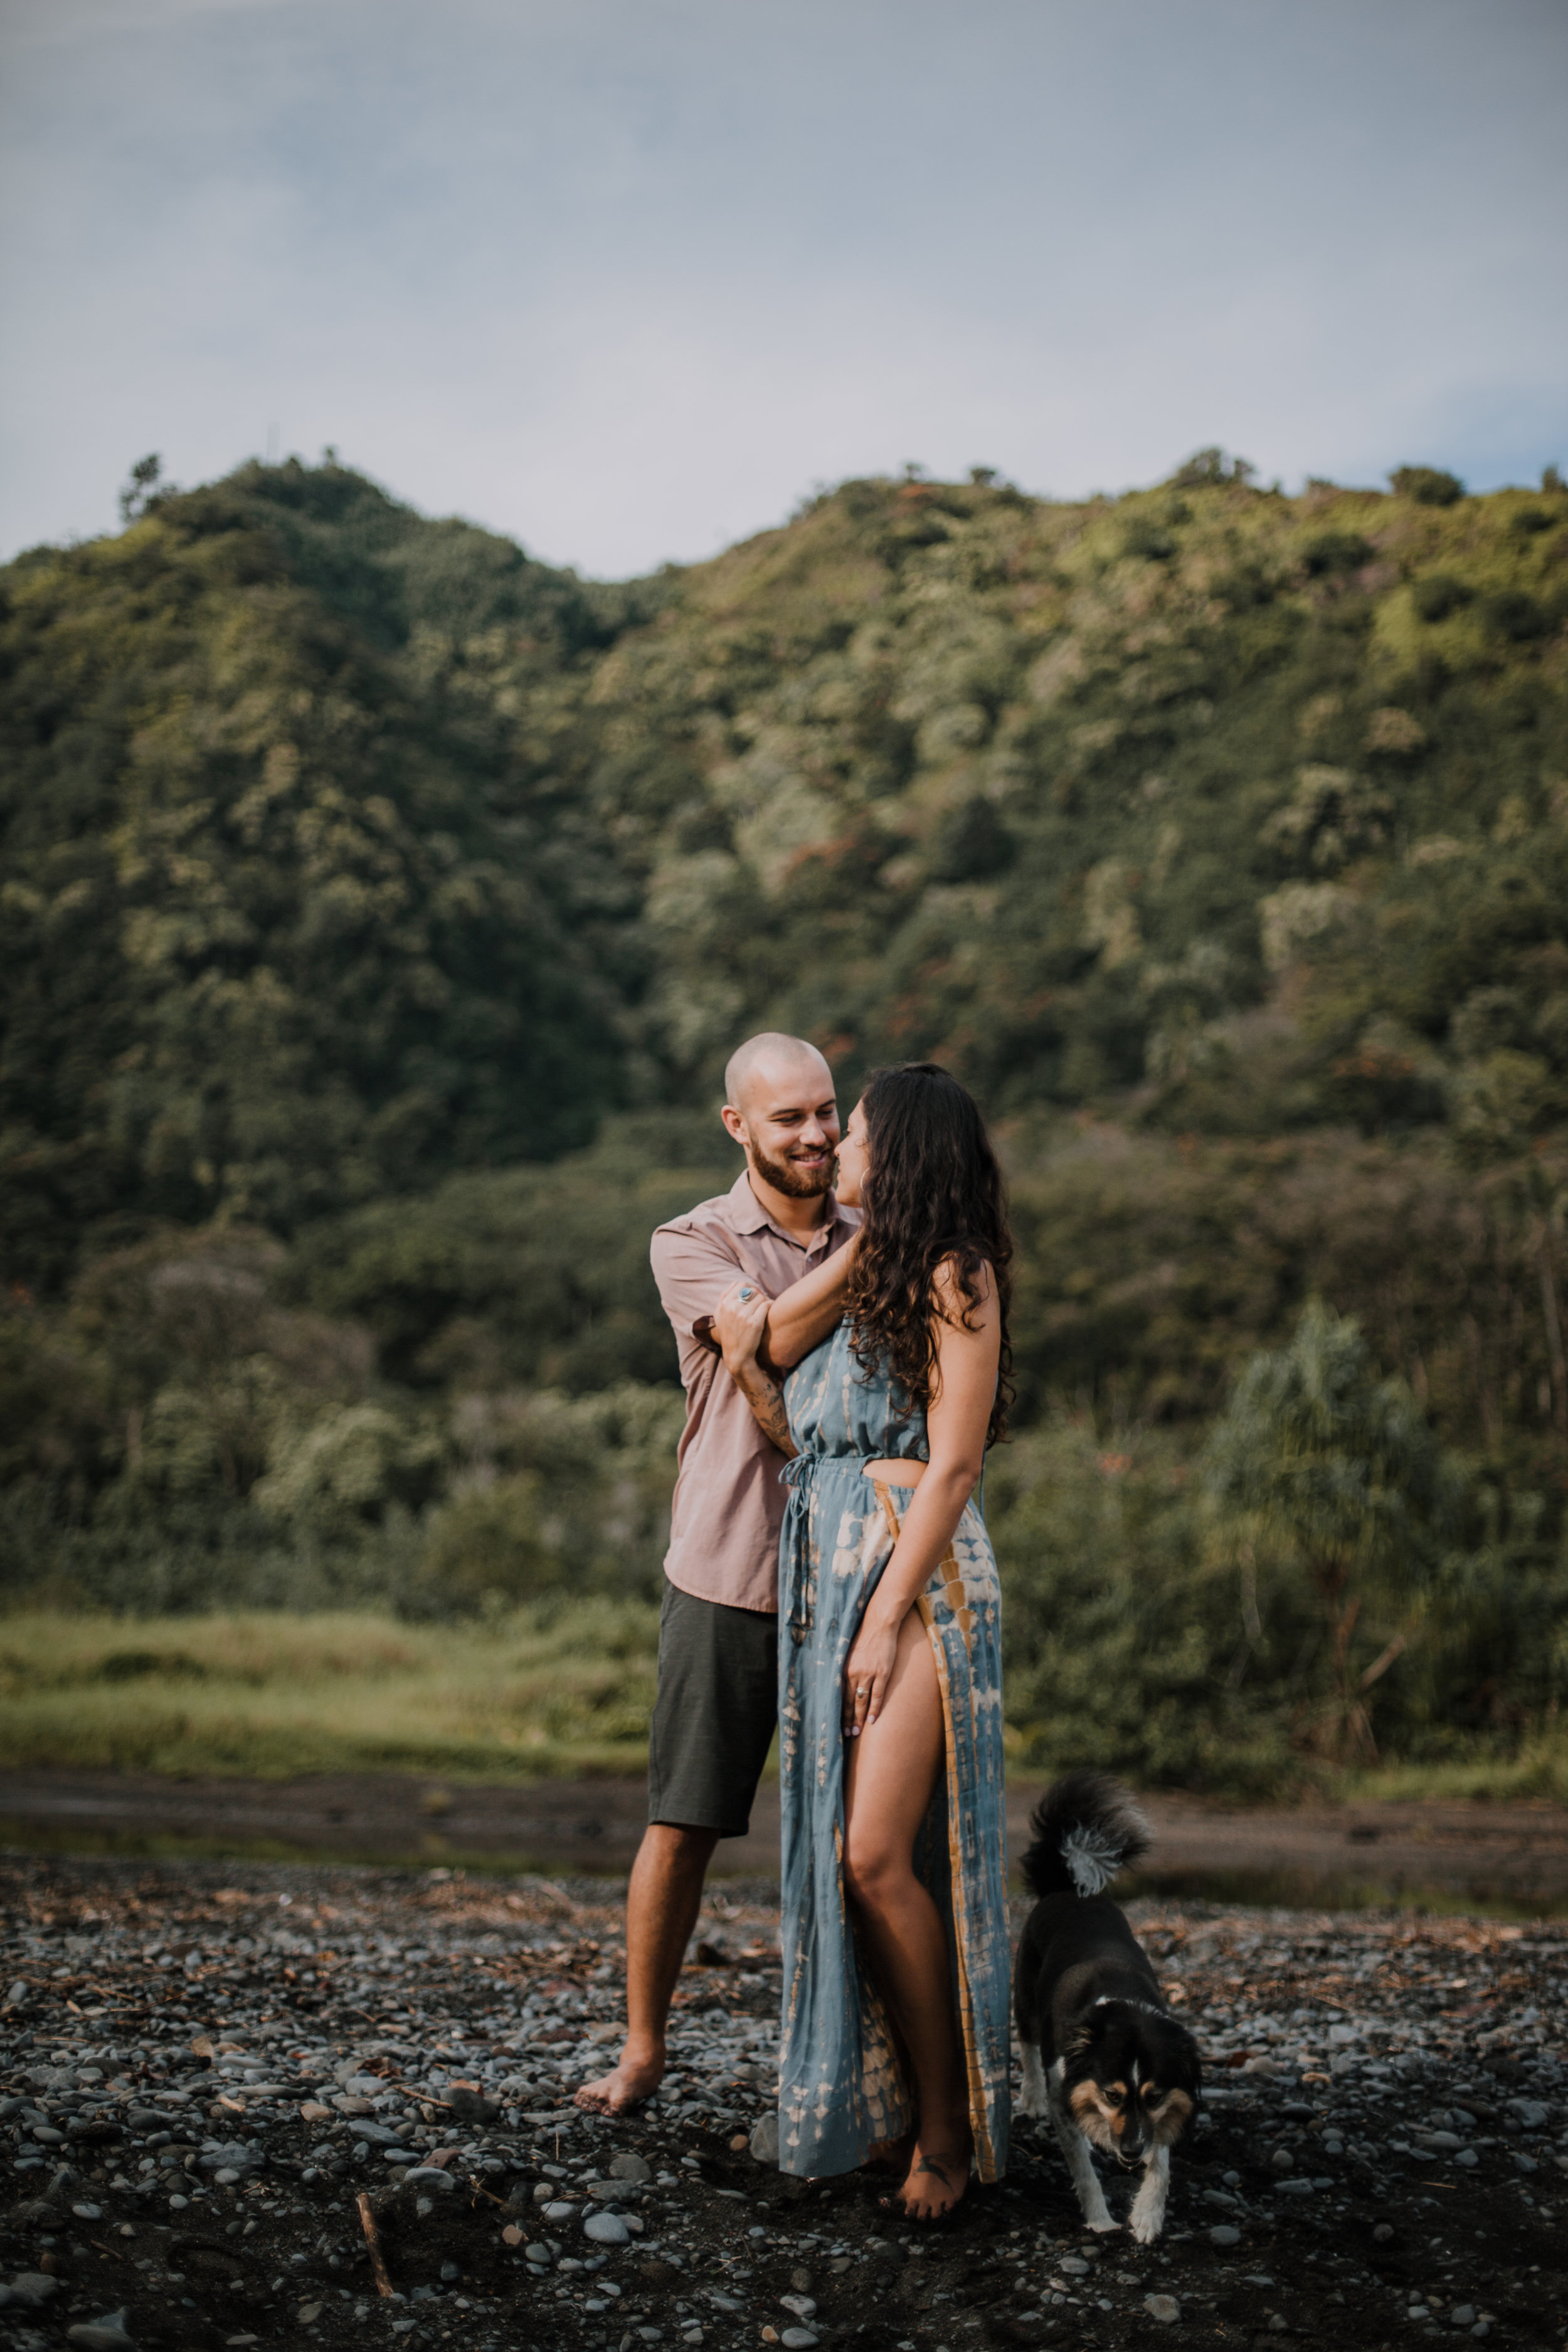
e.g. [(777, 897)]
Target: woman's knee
[(874, 1872)]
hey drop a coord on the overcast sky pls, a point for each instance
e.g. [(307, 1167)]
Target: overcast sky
[(626, 278)]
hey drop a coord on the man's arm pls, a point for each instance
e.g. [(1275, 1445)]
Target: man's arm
[(801, 1318), (693, 1269)]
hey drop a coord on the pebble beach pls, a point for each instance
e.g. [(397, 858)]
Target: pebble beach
[(278, 2105)]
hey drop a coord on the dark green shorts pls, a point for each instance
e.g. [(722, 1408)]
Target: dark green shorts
[(714, 1716)]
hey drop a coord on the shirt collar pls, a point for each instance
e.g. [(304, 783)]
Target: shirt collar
[(747, 1215)]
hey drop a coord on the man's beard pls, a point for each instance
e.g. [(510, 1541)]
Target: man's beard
[(795, 1183)]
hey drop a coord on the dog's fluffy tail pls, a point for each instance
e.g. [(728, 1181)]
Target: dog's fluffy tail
[(1086, 1828)]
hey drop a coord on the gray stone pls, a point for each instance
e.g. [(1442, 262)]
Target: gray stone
[(110, 2334), (34, 2288), (1462, 2314), (469, 2107), (1163, 2307), (630, 2167), (1281, 2161), (801, 2304), (606, 2230), (764, 2139), (799, 2339), (1224, 2236), (429, 2176)]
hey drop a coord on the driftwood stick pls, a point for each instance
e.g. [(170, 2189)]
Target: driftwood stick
[(373, 2240)]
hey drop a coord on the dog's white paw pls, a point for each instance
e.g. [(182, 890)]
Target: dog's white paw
[(1145, 2227), (1100, 2228), (1026, 2106)]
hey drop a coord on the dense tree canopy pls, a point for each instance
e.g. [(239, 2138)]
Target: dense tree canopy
[(380, 906), (287, 925)]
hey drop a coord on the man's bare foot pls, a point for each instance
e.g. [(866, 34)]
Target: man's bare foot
[(936, 2180), (629, 2082)]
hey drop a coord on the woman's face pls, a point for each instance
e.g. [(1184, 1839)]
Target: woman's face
[(853, 1156)]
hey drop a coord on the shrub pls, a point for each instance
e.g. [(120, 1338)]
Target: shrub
[(1439, 595), (1336, 550), (1145, 538), (1514, 614), (1427, 486)]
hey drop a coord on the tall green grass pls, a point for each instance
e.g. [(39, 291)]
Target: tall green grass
[(563, 1691), (538, 1692)]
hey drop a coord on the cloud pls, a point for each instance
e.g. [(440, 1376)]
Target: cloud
[(624, 280)]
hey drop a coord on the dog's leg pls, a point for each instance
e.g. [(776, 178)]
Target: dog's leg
[(1148, 2216), (1080, 2165), (1034, 2099)]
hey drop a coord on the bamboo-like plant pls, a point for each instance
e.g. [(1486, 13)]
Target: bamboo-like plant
[(1320, 1465)]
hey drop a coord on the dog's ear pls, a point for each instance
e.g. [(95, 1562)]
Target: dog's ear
[(1192, 2063), (1087, 2033)]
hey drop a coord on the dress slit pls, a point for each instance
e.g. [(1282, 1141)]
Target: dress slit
[(844, 2085)]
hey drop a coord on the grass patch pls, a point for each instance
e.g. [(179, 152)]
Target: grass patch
[(549, 1690), (540, 1692)]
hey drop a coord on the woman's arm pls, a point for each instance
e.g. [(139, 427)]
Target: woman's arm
[(963, 1388), (740, 1325), (801, 1318)]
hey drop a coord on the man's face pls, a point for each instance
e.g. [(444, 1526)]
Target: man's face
[(789, 1125)]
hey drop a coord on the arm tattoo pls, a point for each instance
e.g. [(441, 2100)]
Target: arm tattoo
[(765, 1398)]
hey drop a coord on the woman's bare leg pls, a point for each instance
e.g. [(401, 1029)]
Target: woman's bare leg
[(892, 1771)]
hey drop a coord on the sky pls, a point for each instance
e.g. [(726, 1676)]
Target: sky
[(627, 279)]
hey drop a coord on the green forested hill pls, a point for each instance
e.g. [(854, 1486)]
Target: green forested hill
[(359, 872), (295, 915), (1242, 802)]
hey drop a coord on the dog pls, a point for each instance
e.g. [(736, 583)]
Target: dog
[(1103, 2057)]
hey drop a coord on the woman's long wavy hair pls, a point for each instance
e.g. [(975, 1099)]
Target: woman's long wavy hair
[(932, 1191)]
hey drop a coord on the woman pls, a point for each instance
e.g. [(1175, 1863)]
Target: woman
[(895, 1916)]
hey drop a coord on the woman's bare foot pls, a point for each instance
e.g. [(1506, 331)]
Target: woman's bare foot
[(936, 2179), (629, 2082)]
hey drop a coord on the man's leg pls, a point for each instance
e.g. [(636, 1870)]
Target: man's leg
[(712, 1723), (662, 1903)]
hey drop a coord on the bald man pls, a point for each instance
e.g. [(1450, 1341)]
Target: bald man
[(718, 1642)]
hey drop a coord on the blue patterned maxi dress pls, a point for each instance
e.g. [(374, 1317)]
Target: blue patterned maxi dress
[(842, 2082)]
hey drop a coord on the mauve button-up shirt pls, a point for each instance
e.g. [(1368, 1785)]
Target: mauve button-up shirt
[(728, 1504)]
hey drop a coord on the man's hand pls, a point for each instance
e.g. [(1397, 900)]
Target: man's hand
[(740, 1323)]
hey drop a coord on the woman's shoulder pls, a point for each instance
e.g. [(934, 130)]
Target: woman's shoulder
[(963, 1288)]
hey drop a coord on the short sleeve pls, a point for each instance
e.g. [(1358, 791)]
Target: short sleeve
[(693, 1267)]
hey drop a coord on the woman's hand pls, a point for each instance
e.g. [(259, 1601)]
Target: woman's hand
[(867, 1671), (740, 1323)]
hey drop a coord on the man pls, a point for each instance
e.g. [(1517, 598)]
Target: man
[(718, 1648)]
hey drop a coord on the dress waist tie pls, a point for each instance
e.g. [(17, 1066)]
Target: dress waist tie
[(794, 1549)]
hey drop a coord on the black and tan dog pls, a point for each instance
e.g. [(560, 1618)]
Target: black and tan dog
[(1102, 2054)]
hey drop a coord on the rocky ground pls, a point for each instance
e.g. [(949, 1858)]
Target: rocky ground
[(241, 2103)]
